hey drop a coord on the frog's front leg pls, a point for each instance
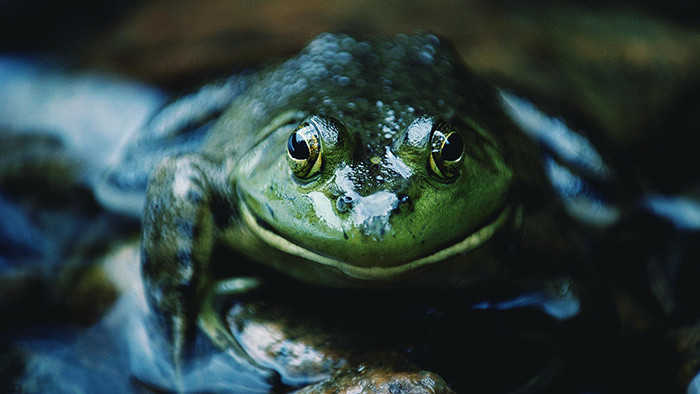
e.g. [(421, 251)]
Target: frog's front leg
[(177, 242)]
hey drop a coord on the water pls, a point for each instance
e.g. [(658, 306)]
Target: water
[(124, 351)]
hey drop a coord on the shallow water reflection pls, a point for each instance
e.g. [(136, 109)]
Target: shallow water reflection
[(124, 352)]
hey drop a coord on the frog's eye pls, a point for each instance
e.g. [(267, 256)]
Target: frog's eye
[(447, 153), (304, 151)]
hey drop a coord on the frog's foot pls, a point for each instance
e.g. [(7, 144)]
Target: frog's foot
[(211, 322), (383, 372), (328, 354), (301, 348)]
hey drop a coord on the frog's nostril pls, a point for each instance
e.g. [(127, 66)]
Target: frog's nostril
[(344, 203)]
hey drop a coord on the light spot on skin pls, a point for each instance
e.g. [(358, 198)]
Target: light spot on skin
[(181, 186), (418, 132), (369, 213), (396, 164), (324, 210)]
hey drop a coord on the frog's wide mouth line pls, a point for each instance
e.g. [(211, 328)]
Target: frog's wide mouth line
[(471, 242)]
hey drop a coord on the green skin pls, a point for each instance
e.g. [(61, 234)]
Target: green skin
[(375, 106)]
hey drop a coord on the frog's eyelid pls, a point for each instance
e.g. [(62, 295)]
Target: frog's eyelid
[(330, 131), (292, 122), (285, 119), (476, 130)]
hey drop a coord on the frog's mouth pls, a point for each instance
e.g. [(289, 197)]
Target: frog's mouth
[(472, 241)]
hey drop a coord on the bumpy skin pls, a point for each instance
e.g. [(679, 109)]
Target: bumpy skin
[(376, 214)]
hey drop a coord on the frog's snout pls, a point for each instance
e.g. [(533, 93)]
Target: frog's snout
[(370, 214)]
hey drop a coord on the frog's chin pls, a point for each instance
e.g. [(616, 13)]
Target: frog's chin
[(508, 215)]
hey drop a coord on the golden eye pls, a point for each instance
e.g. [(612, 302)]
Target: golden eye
[(447, 153), (304, 151)]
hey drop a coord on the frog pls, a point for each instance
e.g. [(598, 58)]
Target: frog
[(362, 163), (396, 332)]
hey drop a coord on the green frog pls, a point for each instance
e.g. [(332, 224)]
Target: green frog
[(368, 164)]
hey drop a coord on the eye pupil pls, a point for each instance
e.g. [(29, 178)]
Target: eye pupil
[(297, 147), (453, 147)]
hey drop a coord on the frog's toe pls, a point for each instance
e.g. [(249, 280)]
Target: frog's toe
[(177, 333), (173, 333)]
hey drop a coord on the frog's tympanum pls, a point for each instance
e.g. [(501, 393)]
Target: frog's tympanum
[(372, 163)]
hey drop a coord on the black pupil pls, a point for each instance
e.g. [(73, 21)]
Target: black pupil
[(297, 147), (453, 147)]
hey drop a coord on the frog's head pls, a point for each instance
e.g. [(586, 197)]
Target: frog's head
[(374, 207), (382, 175)]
